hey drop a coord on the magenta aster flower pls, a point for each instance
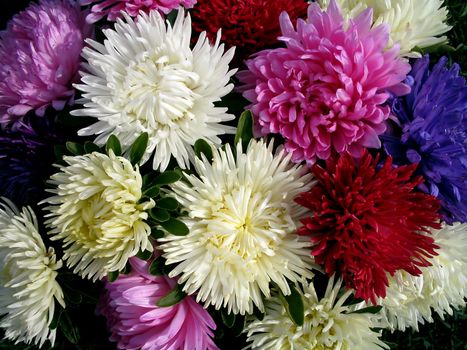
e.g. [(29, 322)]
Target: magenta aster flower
[(325, 90), (135, 321), (40, 57), (112, 8)]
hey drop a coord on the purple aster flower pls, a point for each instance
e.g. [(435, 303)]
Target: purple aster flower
[(432, 131), (26, 158), (40, 57)]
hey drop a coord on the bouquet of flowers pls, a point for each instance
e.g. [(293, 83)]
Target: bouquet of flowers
[(229, 174)]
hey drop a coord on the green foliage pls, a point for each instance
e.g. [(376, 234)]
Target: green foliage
[(173, 297), (447, 334)]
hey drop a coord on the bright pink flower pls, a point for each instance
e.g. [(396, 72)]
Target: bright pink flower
[(325, 91), (135, 321), (112, 8), (40, 57)]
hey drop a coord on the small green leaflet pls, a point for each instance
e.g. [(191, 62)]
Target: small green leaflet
[(173, 297), (293, 304), (138, 148), (113, 144), (244, 129)]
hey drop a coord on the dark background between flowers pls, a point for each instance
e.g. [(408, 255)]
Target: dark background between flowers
[(447, 334)]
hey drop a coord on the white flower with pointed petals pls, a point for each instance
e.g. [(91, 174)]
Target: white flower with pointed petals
[(441, 287), (242, 219), (28, 286), (96, 211), (328, 324), (147, 78), (413, 23)]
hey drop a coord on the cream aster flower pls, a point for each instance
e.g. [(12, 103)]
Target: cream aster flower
[(146, 78), (97, 213), (413, 23), (28, 286), (242, 219), (328, 325), (441, 287)]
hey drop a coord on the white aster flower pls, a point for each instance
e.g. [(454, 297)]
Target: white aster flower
[(28, 286), (97, 213), (146, 78), (413, 23), (328, 325), (441, 287), (242, 219)]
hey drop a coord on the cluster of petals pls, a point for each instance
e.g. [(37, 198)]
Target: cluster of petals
[(441, 288), (98, 212), (113, 8), (367, 222), (413, 23), (249, 25), (242, 221), (40, 58), (129, 304), (325, 91), (149, 78), (430, 131), (28, 285), (328, 324)]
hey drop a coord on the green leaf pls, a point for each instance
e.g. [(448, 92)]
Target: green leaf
[(293, 304), (112, 276), (144, 254), (258, 314), (167, 178), (160, 215), (175, 227), (56, 319), (228, 318), (127, 269), (138, 148), (113, 144), (368, 310), (167, 203), (75, 148), (173, 297), (90, 147), (156, 233), (172, 16), (244, 129), (239, 325), (202, 147), (60, 151), (69, 330), (157, 266), (152, 191)]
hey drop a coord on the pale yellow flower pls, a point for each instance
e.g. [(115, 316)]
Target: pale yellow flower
[(96, 211), (28, 286)]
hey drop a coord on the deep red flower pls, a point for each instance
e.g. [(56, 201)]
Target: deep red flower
[(250, 25), (367, 222)]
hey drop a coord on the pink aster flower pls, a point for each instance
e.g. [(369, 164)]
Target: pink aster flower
[(112, 8), (325, 91), (129, 304), (40, 57)]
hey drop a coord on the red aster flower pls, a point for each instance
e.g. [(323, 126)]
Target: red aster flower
[(250, 25), (368, 222)]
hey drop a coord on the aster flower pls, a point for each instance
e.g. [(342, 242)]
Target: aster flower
[(242, 221), (40, 56), (28, 286), (325, 91), (367, 222), (250, 25), (113, 8), (129, 304), (146, 78), (97, 212), (441, 287), (328, 324), (26, 157), (432, 131), (413, 23)]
